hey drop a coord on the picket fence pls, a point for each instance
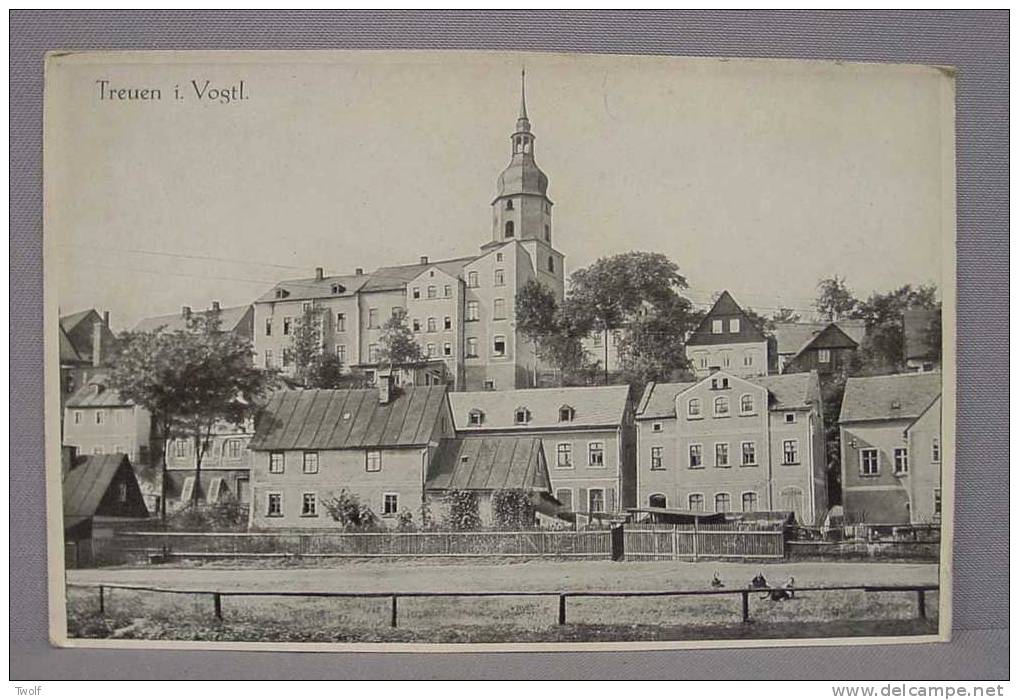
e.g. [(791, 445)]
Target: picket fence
[(716, 541)]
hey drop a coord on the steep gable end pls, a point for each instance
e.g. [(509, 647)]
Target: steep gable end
[(726, 310)]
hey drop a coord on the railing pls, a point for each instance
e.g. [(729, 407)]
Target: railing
[(562, 596), (716, 541)]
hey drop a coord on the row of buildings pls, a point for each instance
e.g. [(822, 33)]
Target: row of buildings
[(745, 435)]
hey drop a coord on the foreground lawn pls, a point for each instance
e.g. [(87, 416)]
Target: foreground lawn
[(151, 615)]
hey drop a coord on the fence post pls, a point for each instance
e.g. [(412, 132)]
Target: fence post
[(217, 605), (562, 608), (675, 542), (746, 605), (392, 619), (695, 538), (102, 601), (921, 604)]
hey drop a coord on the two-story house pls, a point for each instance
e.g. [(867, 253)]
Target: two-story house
[(225, 472), (727, 339), (825, 347), (731, 444), (98, 421), (586, 433), (890, 432)]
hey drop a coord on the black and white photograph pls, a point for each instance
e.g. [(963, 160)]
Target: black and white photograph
[(471, 351)]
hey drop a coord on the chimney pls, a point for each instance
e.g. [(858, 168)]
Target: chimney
[(97, 344), (358, 271), (185, 312), (319, 274), (106, 318), (68, 454), (215, 306), (424, 259), (387, 387)]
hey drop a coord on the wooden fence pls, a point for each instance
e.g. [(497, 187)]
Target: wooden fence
[(562, 596), (717, 541)]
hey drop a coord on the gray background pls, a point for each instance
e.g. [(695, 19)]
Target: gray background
[(976, 43)]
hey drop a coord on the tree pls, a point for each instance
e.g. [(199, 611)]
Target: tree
[(462, 510), (884, 346), (326, 372), (835, 301), (190, 381), (307, 343), (513, 509), (555, 333), (651, 348), (398, 344), (784, 315), (347, 509)]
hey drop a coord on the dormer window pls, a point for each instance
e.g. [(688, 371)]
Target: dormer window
[(896, 404), (566, 414), (338, 289), (282, 294), (521, 416), (475, 417)]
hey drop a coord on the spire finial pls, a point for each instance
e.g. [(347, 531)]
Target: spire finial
[(523, 97)]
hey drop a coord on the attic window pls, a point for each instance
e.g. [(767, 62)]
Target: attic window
[(475, 417), (716, 326), (521, 415), (282, 294), (734, 325), (790, 418), (566, 414), (338, 289), (465, 459), (896, 404)]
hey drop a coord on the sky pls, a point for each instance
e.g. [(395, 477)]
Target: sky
[(760, 177)]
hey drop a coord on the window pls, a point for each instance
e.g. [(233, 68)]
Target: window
[(341, 353), (656, 500), (734, 325), (472, 279), (447, 291), (472, 311), (447, 349), (416, 293), (749, 502), (596, 500), (475, 417), (726, 359), (500, 278), (288, 357), (433, 292), (180, 448), (306, 306), (723, 503), (749, 454), (790, 418), (390, 504), (98, 450), (232, 449), (937, 503), (122, 492), (373, 352), (118, 449), (869, 464), (275, 506), (716, 326), (936, 449), (447, 323), (551, 264), (471, 349), (823, 357), (432, 325), (268, 359), (288, 325), (499, 345), (566, 414), (521, 415), (341, 322), (656, 459), (373, 318), (721, 454), (790, 452), (548, 232), (415, 325), (696, 457), (509, 205), (597, 341), (565, 496), (656, 427), (746, 404), (748, 360), (373, 461), (310, 465), (509, 229), (338, 289), (499, 309), (100, 417), (901, 460), (702, 361), (721, 406), (309, 505), (596, 454), (693, 408), (695, 501), (564, 455), (276, 463), (268, 326), (78, 417), (489, 385)]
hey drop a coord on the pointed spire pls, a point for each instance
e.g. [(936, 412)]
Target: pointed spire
[(523, 94)]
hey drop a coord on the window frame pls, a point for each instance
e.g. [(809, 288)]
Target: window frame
[(592, 451), (723, 401), (590, 499), (717, 326), (558, 497), (498, 309), (743, 410), (743, 453), (313, 462), (690, 413), (795, 443), (561, 449), (900, 461), (691, 455), (475, 413), (278, 495), (282, 461), (936, 450), (664, 499), (864, 451), (368, 461), (496, 340), (305, 512), (656, 463), (690, 502), (724, 452), (823, 356), (726, 498), (734, 325), (386, 513), (743, 501)]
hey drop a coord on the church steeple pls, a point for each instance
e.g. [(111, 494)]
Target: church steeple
[(523, 125)]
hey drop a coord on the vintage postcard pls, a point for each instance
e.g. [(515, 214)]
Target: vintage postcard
[(493, 351)]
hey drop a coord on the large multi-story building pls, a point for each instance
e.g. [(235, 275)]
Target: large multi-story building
[(890, 432), (730, 444), (462, 311)]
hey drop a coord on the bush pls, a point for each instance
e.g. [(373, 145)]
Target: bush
[(462, 511), (513, 509), (346, 508), (217, 517), (405, 521)]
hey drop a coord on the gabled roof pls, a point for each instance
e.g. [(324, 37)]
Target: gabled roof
[(96, 393), (397, 276), (337, 419), (70, 321), (889, 397), (86, 482), (230, 318), (68, 353), (594, 406), (725, 308), (793, 338), (313, 288), (489, 463), (916, 325), (787, 391)]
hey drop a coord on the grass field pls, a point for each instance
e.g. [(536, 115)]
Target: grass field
[(150, 615)]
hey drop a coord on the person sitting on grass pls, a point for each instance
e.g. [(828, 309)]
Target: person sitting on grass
[(716, 582)]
